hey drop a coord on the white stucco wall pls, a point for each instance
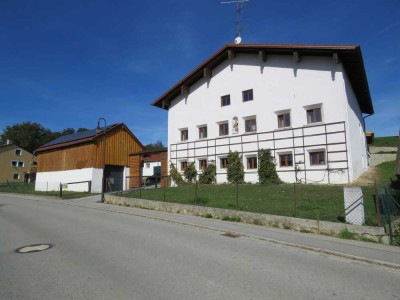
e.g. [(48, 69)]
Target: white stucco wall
[(279, 84), (50, 181), (149, 170)]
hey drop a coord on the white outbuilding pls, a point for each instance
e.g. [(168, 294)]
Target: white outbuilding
[(306, 103)]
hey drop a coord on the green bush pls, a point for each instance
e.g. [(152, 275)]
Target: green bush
[(235, 168), (175, 175), (190, 172), (266, 168), (208, 175)]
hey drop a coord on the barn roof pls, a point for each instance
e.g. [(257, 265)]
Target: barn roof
[(349, 55), (82, 137)]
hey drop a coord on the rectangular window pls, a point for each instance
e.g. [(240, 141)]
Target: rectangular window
[(183, 165), (203, 132), (202, 164), (285, 160), (250, 125), (223, 129), (317, 158), (284, 120), (314, 115), (252, 163), (21, 164), (226, 100), (247, 95), (18, 152), (184, 135), (147, 165), (14, 163), (223, 162), (16, 176)]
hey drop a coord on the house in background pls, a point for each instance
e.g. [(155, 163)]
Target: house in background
[(304, 102), (79, 158), (16, 164)]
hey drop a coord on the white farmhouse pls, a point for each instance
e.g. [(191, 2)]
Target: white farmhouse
[(304, 102)]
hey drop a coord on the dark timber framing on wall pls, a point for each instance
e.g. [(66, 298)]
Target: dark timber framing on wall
[(180, 151)]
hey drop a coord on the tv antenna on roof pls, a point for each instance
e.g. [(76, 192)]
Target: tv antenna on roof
[(240, 4)]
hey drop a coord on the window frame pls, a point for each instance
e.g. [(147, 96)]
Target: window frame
[(225, 100), (202, 163), (21, 164), (223, 162), (314, 119), (183, 165), (286, 161), (246, 95), (18, 176), (202, 131), (14, 163), (251, 163), (284, 119), (184, 133), (18, 150), (317, 153), (224, 124), (250, 122)]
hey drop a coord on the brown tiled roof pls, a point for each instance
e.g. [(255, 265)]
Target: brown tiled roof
[(349, 55)]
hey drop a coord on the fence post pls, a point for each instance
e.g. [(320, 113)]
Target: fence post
[(156, 181), (60, 190), (377, 206), (237, 196), (389, 212), (195, 199), (164, 188), (295, 200), (140, 188), (90, 186)]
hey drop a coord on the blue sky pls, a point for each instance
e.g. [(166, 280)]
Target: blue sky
[(68, 63)]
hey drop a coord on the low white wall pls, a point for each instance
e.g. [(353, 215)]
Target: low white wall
[(50, 181)]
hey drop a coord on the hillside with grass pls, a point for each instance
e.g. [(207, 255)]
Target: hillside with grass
[(386, 141)]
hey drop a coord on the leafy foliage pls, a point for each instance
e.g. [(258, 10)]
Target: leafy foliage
[(175, 175), (266, 168), (190, 172), (235, 168), (155, 146), (208, 175)]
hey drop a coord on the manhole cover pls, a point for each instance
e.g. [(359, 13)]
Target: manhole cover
[(33, 248), (231, 235)]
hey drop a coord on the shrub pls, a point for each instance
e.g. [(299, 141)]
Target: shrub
[(208, 175), (235, 168), (190, 172), (175, 175), (266, 168)]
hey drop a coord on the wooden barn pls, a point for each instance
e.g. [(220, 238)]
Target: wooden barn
[(77, 160)]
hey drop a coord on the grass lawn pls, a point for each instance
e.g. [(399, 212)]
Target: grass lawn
[(386, 141), (28, 188)]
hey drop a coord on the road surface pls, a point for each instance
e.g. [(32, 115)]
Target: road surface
[(101, 251)]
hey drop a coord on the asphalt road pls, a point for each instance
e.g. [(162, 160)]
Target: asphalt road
[(106, 252)]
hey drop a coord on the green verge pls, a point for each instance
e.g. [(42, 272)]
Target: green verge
[(386, 141)]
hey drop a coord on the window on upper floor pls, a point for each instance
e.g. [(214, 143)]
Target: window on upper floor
[(317, 158), (247, 95), (286, 160), (226, 100), (223, 162), (223, 129), (202, 132), (21, 164), (252, 162), (284, 120), (18, 152), (14, 163), (314, 115), (202, 164), (250, 125), (184, 134)]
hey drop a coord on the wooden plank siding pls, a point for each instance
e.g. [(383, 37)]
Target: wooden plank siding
[(119, 143), (134, 170)]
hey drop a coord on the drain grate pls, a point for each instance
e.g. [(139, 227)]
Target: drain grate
[(33, 248), (231, 234)]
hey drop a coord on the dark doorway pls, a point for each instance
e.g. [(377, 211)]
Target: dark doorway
[(114, 178)]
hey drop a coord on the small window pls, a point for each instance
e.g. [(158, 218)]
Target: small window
[(284, 120), (250, 125), (21, 164), (252, 163), (226, 100), (223, 162), (184, 165), (314, 115), (14, 163), (317, 158), (202, 164), (147, 165), (223, 129), (16, 176), (247, 95), (18, 152), (184, 135), (203, 132), (285, 160)]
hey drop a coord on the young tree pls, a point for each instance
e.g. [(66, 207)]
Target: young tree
[(235, 168), (175, 175), (155, 146), (208, 175), (190, 172), (266, 168)]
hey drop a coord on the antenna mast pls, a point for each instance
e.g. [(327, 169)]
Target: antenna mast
[(240, 4)]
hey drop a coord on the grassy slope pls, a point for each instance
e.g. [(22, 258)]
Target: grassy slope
[(386, 141)]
